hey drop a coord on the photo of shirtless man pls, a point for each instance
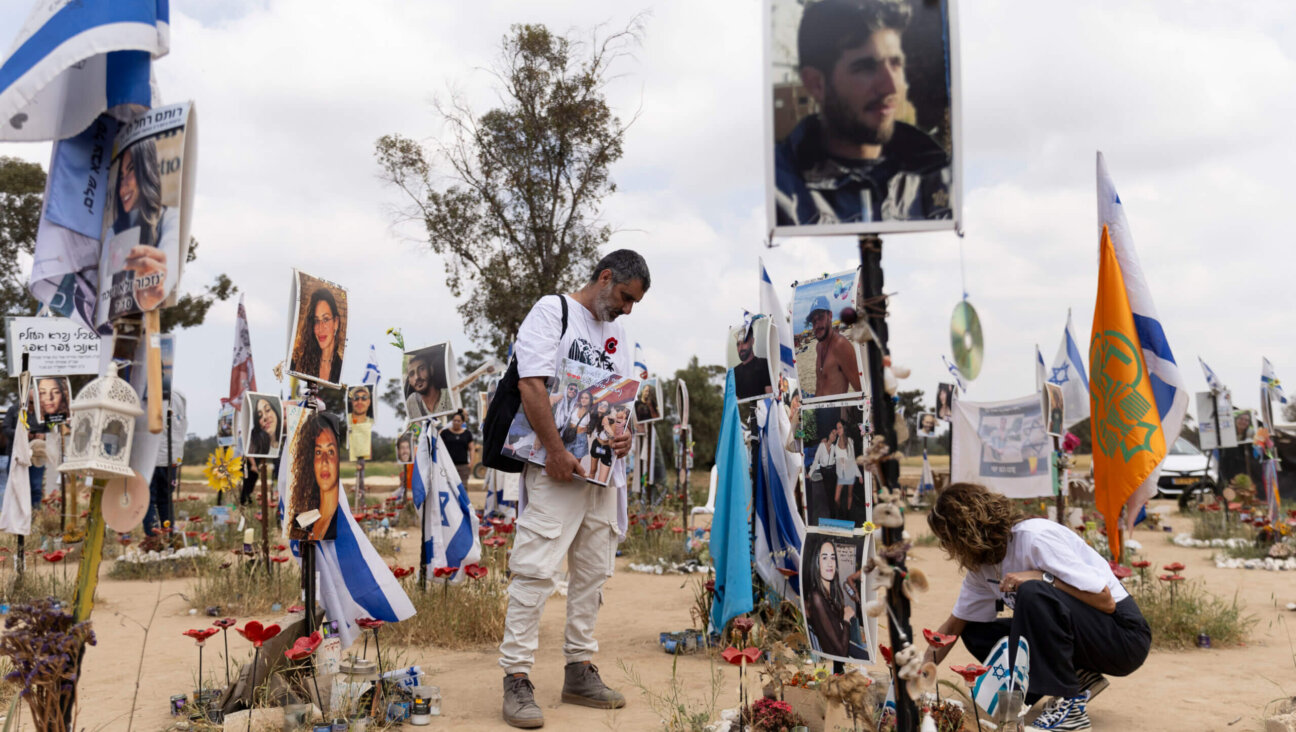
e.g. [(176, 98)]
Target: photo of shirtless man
[(836, 366)]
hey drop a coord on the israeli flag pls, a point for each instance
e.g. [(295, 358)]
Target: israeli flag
[(769, 304), (1168, 387), (640, 363), (1039, 369), (954, 372), (1212, 381), (1269, 381), (1068, 372), (372, 376), (354, 581), (927, 483), (780, 532), (74, 60), (449, 521)]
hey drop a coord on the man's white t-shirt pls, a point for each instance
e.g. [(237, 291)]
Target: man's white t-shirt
[(541, 345), (1036, 545)]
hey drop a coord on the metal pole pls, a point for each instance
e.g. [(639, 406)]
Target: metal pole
[(265, 514), (1059, 494), (1219, 443)]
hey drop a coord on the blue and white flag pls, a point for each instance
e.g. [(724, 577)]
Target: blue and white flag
[(1039, 369), (730, 545), (1068, 371), (1270, 383), (958, 375), (770, 305), (354, 581), (1212, 380), (449, 521), (74, 60), (1168, 387), (640, 363), (372, 376), (927, 483), (780, 532)]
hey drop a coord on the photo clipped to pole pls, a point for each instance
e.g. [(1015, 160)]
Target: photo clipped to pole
[(427, 375), (930, 426), (838, 489), (862, 120), (682, 402), (1054, 405), (833, 596), (317, 333), (261, 425), (648, 401), (53, 399), (360, 420), (748, 354), (313, 481), (225, 425), (827, 361), (407, 442)]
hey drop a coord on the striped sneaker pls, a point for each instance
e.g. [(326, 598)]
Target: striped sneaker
[(1065, 713), (1092, 682)]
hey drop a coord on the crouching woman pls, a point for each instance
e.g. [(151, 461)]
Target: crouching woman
[(1079, 621)]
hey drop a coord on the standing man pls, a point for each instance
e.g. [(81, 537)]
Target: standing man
[(562, 515), (855, 161), (752, 374), (160, 509)]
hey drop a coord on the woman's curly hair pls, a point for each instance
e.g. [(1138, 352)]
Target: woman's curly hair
[(973, 524), (305, 491)]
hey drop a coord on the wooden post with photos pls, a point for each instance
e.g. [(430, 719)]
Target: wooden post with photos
[(265, 515), (310, 393), (153, 365), (1060, 480), (873, 301)]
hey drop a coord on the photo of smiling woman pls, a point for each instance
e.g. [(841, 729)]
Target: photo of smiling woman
[(830, 592), (314, 480), (263, 425), (53, 404), (319, 334)]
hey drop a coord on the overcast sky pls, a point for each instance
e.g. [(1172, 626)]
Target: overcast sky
[(1191, 102)]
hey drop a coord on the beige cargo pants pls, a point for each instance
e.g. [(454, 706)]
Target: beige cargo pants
[(575, 520)]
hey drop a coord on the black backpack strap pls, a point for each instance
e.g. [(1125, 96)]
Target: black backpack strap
[(563, 299)]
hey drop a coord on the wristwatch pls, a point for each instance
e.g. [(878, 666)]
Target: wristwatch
[(1047, 578)]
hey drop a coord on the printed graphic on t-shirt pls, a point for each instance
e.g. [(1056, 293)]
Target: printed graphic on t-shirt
[(583, 352)]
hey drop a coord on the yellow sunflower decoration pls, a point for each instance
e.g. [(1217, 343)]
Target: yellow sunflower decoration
[(224, 470)]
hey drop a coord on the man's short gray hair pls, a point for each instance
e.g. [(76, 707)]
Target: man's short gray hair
[(625, 265)]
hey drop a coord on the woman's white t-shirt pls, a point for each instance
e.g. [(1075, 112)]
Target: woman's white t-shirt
[(1036, 545)]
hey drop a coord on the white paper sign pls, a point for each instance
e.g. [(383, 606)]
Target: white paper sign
[(57, 346)]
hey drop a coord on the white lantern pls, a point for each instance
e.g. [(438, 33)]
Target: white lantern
[(103, 423)]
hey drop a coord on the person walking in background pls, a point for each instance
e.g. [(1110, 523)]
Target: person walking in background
[(161, 488), (458, 440)]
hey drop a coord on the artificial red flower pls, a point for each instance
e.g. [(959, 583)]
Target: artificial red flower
[(1175, 567), (204, 537), (710, 586), (55, 556), (483, 530), (369, 623), (505, 528), (444, 571), (970, 672), (743, 625), (303, 647), (191, 534), (258, 633), (1171, 577), (279, 560), (402, 572), (476, 571), (1121, 571), (201, 634), (750, 654), (280, 547), (1142, 564), (195, 519), (677, 529), (224, 623), (886, 653), (296, 608), (789, 573), (939, 640)]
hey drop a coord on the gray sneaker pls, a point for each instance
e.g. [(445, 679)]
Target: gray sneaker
[(520, 708), (582, 685)]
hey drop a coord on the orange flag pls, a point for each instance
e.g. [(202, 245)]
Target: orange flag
[(1128, 441)]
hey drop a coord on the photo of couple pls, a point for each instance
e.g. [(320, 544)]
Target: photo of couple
[(837, 491)]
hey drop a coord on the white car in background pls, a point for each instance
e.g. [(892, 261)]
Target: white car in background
[(1186, 469)]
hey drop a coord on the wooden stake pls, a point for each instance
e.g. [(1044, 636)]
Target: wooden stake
[(153, 364)]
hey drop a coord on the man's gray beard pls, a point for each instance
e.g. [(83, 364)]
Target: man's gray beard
[(838, 119), (604, 308)]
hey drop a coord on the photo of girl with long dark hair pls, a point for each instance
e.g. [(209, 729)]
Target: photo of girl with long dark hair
[(320, 339), (143, 253), (314, 481), (831, 591)]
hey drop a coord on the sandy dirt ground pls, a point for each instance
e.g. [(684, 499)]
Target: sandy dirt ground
[(1217, 689)]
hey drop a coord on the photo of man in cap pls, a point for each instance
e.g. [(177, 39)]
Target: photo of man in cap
[(858, 157), (836, 366)]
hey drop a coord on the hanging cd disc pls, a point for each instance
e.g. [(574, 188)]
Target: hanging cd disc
[(125, 501), (965, 340)]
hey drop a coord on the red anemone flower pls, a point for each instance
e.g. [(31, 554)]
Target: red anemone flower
[(1175, 567), (677, 529), (444, 571), (279, 560), (743, 625), (483, 530), (1142, 564), (750, 654), (970, 672), (476, 571), (191, 534), (201, 634), (258, 633), (297, 608), (280, 547), (402, 572), (939, 640), (1171, 578), (369, 623), (1121, 571), (886, 653), (55, 556), (224, 623), (303, 647), (504, 528)]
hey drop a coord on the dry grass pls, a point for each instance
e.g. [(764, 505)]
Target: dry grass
[(1177, 619), (467, 615), (166, 569), (244, 589)]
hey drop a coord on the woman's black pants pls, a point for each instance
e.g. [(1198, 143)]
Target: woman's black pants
[(1065, 635)]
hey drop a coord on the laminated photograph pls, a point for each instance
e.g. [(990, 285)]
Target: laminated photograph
[(428, 374), (827, 360), (317, 333), (261, 425)]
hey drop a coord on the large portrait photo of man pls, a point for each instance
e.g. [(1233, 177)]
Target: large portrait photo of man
[(862, 116)]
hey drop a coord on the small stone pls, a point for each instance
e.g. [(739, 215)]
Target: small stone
[(193, 611)]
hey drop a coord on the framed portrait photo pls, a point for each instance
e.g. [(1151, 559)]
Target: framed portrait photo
[(827, 360), (862, 118), (427, 375), (317, 332), (748, 354), (261, 423)]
